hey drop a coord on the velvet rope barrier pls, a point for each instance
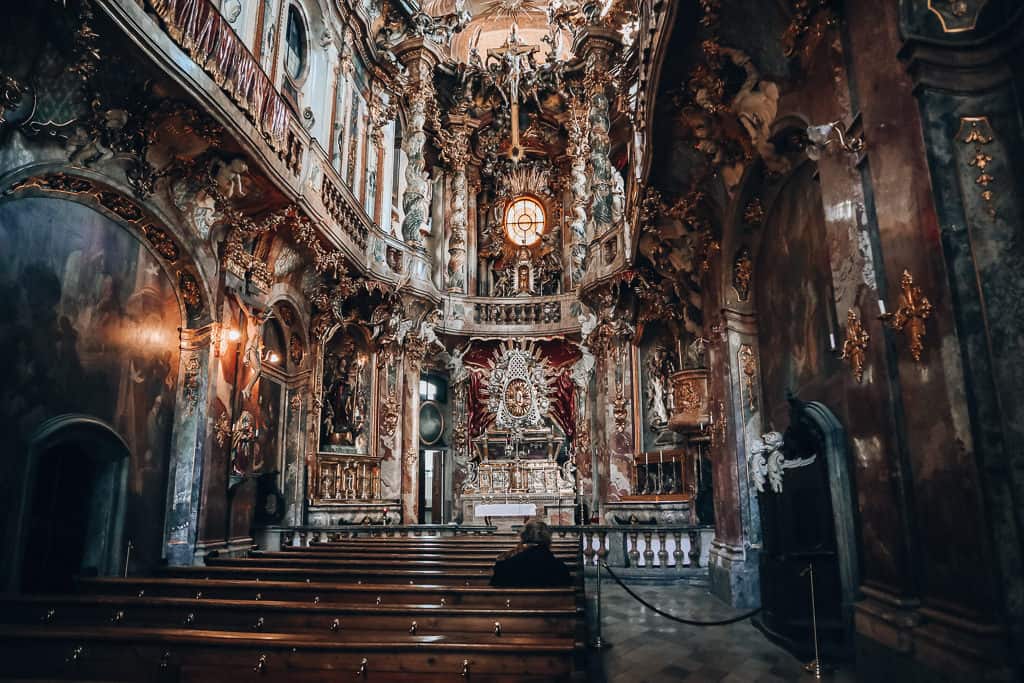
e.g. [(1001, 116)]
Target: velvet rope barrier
[(688, 622)]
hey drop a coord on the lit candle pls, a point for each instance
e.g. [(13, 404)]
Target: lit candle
[(881, 306)]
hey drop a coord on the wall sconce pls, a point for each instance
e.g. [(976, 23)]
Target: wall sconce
[(824, 135), (271, 357), (233, 334), (911, 315)]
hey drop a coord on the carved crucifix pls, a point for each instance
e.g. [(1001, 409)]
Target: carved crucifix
[(512, 55)]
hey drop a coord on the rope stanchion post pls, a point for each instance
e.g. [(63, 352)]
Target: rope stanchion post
[(814, 667), (598, 643), (128, 556)]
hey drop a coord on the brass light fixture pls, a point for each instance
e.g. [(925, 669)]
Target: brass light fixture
[(824, 135), (856, 345), (910, 317)]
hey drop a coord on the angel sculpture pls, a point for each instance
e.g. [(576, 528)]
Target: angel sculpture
[(457, 371)]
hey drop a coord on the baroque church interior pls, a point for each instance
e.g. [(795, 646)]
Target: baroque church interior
[(314, 303)]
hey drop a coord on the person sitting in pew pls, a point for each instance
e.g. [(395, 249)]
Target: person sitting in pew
[(531, 564)]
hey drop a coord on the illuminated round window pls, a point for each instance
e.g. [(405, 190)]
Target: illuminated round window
[(524, 221)]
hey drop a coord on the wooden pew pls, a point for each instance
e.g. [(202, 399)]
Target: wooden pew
[(141, 654), (351, 594), (314, 613), (437, 576), (382, 561), (335, 621)]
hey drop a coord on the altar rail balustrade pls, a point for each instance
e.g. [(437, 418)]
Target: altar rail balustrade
[(511, 316), (652, 547), (303, 536)]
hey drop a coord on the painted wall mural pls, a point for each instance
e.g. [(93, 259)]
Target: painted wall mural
[(794, 296), (91, 327)]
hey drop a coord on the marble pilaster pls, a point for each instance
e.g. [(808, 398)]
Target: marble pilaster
[(734, 569), (186, 463), (410, 439)]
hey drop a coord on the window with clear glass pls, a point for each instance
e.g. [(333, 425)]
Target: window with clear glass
[(295, 44), (524, 221)]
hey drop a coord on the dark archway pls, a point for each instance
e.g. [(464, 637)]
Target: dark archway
[(73, 504)]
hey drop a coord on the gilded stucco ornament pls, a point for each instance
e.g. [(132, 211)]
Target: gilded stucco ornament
[(753, 214), (977, 131), (742, 271), (748, 366), (190, 383), (518, 386), (914, 310), (957, 16)]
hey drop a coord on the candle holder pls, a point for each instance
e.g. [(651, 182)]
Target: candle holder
[(911, 315)]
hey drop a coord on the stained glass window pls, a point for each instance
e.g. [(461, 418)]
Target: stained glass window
[(524, 221)]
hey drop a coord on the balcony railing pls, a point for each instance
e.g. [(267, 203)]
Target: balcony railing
[(511, 316), (199, 29)]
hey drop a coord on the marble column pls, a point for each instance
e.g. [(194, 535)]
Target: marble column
[(185, 468), (579, 151), (419, 56), (415, 348), (734, 558), (595, 46), (455, 152)]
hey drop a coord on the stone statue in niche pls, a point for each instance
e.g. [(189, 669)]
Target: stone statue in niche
[(550, 270), (618, 197), (503, 283), (345, 395), (244, 449), (658, 368)]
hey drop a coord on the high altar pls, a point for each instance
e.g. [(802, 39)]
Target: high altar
[(519, 466), (518, 478)]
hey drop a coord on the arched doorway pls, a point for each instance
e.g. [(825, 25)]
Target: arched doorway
[(72, 517), (809, 523)]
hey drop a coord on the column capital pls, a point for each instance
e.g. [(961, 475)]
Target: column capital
[(419, 49)]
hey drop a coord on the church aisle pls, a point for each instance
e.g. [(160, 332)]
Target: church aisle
[(647, 648)]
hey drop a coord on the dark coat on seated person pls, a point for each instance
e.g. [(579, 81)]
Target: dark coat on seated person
[(530, 566)]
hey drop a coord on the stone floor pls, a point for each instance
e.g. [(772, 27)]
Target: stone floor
[(646, 647)]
